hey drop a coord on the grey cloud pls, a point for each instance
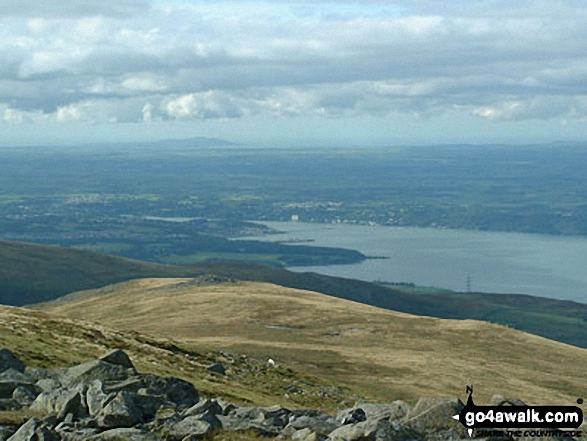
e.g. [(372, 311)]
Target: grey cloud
[(201, 68)]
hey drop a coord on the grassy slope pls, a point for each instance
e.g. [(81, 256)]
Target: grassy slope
[(560, 320), (36, 273), (386, 354), (46, 340)]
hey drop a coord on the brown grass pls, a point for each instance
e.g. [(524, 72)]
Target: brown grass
[(384, 354)]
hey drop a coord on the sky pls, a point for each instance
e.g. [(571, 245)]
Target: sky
[(309, 71)]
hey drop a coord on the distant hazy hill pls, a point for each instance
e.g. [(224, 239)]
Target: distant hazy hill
[(385, 354), (37, 273)]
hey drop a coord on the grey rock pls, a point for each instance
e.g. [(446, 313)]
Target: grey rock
[(7, 431), (388, 411), (204, 407), (217, 368), (192, 426), (10, 361), (60, 402), (434, 414), (306, 435), (132, 384), (353, 432), (125, 434), (121, 411), (317, 421), (96, 398), (93, 370), (25, 395), (8, 404), (118, 357), (34, 430), (47, 384), (351, 416), (11, 379), (226, 406), (149, 405), (267, 421), (176, 390)]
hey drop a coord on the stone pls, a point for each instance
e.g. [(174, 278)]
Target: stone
[(59, 402), (34, 430), (117, 357), (125, 434), (353, 432), (192, 426), (96, 398), (217, 368), (47, 384), (267, 421), (93, 370), (389, 411), (176, 390), (305, 435), (317, 421), (7, 431), (204, 407), (351, 416), (10, 361), (11, 379), (25, 395), (226, 406), (121, 411), (434, 414)]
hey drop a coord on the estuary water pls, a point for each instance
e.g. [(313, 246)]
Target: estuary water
[(512, 263)]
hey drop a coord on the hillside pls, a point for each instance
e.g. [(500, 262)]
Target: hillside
[(37, 273), (385, 354), (48, 341)]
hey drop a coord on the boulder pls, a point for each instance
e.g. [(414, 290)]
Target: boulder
[(226, 406), (389, 411), (34, 430), (306, 435), (11, 379), (117, 357), (7, 431), (351, 416), (204, 407), (120, 411), (267, 421), (353, 432), (124, 434), (316, 421), (96, 398), (25, 395), (60, 402), (10, 361), (217, 368), (434, 414), (176, 390), (194, 427), (93, 370)]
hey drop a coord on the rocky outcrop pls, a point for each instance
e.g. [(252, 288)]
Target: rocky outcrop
[(106, 399)]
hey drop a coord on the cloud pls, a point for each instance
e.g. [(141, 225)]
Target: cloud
[(134, 60), (72, 8)]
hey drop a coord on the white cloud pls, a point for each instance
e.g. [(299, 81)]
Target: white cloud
[(132, 60)]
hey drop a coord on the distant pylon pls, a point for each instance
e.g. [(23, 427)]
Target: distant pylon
[(468, 282)]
